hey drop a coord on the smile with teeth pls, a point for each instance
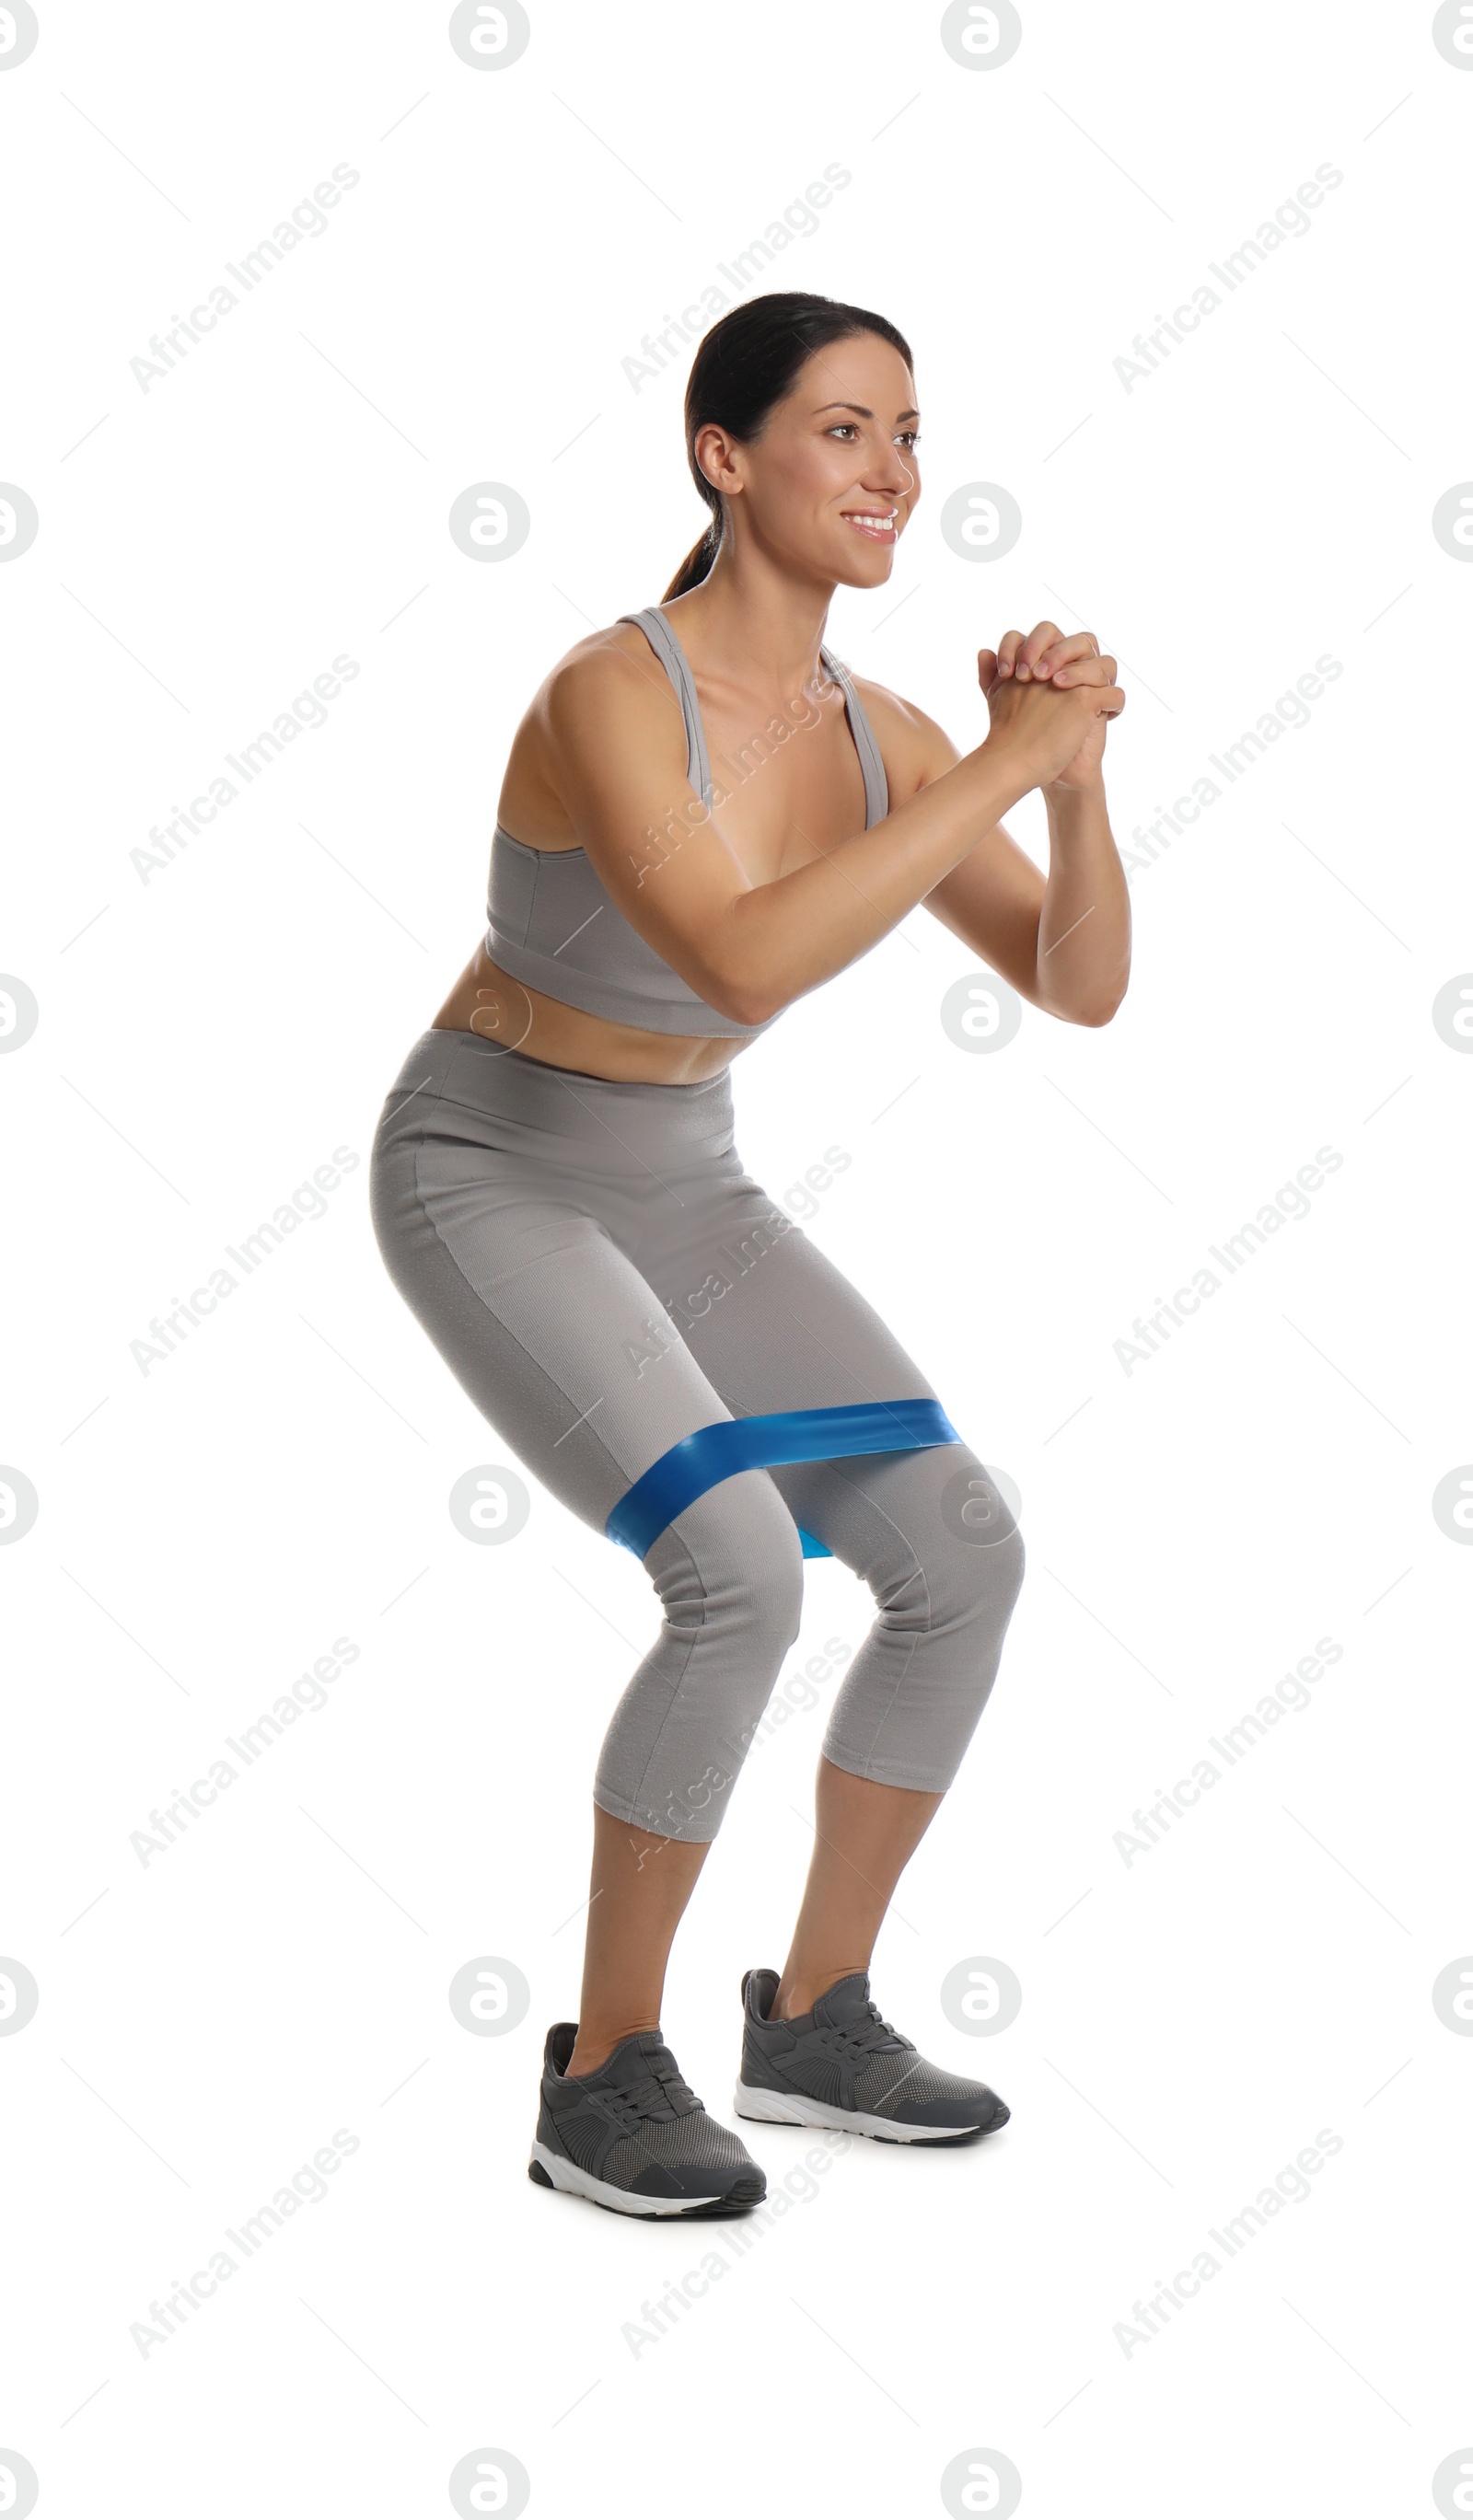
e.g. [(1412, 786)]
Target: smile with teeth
[(878, 525)]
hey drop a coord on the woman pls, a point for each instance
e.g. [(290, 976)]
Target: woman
[(557, 1194)]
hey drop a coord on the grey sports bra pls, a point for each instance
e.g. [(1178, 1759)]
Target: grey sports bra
[(552, 924)]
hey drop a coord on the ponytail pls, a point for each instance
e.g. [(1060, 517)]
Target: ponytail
[(697, 564)]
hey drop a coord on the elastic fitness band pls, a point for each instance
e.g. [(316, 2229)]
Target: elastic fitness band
[(714, 1453)]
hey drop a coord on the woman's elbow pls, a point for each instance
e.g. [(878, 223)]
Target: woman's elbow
[(1100, 1011), (740, 1002), (731, 987)]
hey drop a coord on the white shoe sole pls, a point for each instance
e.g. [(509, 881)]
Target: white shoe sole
[(565, 2175), (791, 2109)]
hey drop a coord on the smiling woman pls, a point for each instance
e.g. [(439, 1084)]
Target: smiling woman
[(672, 868), (744, 369)]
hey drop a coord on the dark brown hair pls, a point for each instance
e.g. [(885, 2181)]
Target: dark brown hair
[(745, 364)]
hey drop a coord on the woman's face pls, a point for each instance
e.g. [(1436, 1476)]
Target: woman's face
[(831, 481)]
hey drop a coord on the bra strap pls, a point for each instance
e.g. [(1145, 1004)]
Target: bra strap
[(876, 785), (667, 648)]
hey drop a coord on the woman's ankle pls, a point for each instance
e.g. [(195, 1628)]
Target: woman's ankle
[(798, 1989), (595, 2042)]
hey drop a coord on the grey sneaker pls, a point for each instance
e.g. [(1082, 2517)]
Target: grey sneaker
[(632, 2136), (842, 2065)]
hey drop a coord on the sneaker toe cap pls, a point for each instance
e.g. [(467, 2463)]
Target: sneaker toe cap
[(740, 2184), (972, 2105)]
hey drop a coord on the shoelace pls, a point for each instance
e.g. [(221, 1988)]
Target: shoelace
[(661, 2092), (875, 2035)]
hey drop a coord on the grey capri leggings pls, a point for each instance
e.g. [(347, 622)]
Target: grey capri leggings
[(604, 1278)]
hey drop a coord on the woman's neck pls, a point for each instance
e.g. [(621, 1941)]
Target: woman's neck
[(754, 626)]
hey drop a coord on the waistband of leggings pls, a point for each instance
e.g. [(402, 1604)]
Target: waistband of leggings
[(610, 1122)]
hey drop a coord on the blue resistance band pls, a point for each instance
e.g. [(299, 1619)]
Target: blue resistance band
[(714, 1453)]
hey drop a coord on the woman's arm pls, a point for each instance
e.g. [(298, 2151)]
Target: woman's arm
[(1063, 941), (750, 949)]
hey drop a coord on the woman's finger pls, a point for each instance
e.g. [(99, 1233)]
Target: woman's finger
[(1066, 650), (1007, 651), (1040, 639), (1085, 669)]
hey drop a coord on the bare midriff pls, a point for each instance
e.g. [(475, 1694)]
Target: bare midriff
[(488, 1001)]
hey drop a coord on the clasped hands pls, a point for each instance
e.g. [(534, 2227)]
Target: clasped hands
[(1027, 683)]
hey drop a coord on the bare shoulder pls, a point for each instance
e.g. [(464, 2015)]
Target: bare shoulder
[(914, 748), (609, 694), (605, 712), (610, 679)]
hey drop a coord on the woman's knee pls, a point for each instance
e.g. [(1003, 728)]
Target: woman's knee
[(994, 1578), (733, 1560), (729, 1575), (960, 1558)]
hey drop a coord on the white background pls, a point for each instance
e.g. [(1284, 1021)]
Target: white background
[(1191, 2020)]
